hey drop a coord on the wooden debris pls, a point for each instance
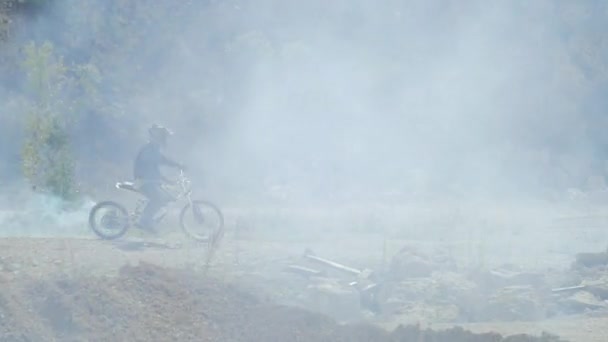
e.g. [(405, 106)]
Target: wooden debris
[(569, 288), (303, 270)]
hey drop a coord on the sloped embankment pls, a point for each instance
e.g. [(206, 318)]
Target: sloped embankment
[(150, 303)]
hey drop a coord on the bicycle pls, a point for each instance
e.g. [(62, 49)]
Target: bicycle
[(117, 220)]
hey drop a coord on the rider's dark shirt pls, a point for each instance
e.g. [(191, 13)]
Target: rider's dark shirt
[(148, 162)]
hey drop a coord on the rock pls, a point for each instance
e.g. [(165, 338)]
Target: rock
[(598, 287), (341, 302), (591, 259), (395, 297), (495, 279), (410, 264), (581, 301), (598, 290), (394, 305), (456, 289), (514, 303), (443, 289), (419, 289), (422, 312), (563, 279)]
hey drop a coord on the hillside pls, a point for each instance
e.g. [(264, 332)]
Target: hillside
[(371, 99)]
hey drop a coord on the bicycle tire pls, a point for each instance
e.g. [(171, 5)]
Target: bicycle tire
[(218, 231), (96, 229)]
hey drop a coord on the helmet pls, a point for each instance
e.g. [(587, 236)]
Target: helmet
[(159, 133)]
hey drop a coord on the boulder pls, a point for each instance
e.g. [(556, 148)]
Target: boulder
[(591, 259), (514, 303), (582, 301), (599, 289), (334, 299), (411, 264), (491, 280)]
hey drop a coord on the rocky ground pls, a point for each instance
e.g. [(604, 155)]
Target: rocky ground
[(438, 281), (147, 302), (84, 289)]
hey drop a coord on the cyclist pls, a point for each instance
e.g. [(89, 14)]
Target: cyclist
[(148, 177)]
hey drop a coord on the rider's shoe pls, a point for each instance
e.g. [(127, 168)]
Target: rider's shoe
[(160, 217)]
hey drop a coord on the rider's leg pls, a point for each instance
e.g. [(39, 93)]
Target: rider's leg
[(146, 220), (155, 202)]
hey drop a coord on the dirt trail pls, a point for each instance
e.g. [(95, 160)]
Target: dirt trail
[(151, 303)]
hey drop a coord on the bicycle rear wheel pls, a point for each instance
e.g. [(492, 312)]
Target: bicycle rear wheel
[(109, 220), (202, 221)]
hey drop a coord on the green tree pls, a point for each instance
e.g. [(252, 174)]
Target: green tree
[(47, 157)]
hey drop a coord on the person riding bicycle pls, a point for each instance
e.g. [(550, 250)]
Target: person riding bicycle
[(148, 177)]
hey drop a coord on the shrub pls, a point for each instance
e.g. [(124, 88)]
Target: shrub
[(46, 154)]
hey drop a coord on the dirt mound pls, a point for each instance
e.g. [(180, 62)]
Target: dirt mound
[(150, 303)]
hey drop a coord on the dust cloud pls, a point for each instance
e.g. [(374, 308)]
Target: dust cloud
[(430, 103), (356, 101), (432, 142)]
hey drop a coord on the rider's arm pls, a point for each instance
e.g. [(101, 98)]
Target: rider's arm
[(169, 162)]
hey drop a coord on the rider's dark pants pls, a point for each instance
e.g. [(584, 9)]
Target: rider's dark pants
[(157, 198)]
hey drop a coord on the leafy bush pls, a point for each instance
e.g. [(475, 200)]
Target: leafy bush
[(48, 162)]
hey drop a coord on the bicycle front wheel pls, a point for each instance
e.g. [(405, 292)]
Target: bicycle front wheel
[(202, 221)]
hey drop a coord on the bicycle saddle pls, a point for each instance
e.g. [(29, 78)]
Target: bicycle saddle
[(127, 186)]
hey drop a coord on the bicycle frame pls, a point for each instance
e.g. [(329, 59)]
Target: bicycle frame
[(179, 192)]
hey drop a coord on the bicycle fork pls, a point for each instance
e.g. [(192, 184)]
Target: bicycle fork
[(196, 212)]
